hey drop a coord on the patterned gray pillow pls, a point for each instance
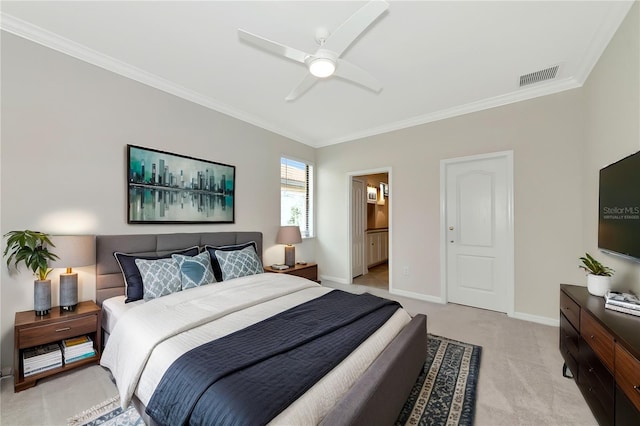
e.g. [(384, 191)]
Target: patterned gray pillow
[(195, 270), (159, 277), (239, 263)]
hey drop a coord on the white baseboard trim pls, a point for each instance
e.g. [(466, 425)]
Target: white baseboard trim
[(412, 295), (334, 279), (536, 318)]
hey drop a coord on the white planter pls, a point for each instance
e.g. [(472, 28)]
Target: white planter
[(598, 285)]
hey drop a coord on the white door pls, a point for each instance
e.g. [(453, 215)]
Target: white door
[(358, 220), (479, 231)]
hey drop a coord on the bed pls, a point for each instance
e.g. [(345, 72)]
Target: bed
[(379, 373)]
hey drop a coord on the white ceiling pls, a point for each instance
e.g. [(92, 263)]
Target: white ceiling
[(435, 59)]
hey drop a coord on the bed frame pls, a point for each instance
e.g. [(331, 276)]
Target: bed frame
[(376, 398)]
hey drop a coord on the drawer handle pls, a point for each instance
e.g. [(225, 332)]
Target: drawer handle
[(637, 388), (592, 336), (63, 329)]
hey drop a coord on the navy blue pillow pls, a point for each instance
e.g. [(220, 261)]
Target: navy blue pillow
[(131, 273), (215, 265)]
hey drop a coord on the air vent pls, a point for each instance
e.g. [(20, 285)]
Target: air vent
[(538, 76)]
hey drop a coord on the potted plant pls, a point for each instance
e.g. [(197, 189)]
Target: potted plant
[(598, 275), (30, 248)]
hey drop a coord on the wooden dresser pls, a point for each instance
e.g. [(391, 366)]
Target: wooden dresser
[(601, 349)]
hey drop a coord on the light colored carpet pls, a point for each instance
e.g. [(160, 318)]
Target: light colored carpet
[(55, 399), (520, 379)]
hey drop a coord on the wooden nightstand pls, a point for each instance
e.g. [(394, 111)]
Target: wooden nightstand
[(308, 271), (32, 330)]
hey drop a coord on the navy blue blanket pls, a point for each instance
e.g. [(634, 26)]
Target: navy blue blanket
[(250, 376)]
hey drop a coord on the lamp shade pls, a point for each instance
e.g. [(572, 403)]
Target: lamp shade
[(73, 250), (289, 235)]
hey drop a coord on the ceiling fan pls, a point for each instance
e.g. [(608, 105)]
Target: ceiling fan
[(326, 61)]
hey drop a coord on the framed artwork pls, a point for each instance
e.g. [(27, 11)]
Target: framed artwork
[(372, 194), (384, 189), (173, 188)]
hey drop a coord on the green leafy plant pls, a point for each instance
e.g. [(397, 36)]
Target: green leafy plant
[(30, 247), (593, 267)]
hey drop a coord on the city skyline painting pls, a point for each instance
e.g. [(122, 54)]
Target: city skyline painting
[(171, 188)]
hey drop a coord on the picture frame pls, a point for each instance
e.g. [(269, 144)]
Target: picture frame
[(372, 194), (169, 188), (384, 189)]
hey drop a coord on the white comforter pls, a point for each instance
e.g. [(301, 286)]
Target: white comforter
[(147, 339)]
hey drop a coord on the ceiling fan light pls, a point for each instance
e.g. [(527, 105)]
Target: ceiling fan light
[(322, 67)]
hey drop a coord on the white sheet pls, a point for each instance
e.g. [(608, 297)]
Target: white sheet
[(146, 340), (114, 308)]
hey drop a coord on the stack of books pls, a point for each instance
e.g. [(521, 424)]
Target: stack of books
[(77, 349), (622, 302), (41, 358)]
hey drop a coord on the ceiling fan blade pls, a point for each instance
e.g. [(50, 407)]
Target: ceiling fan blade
[(307, 83), (350, 29), (348, 71), (272, 46)]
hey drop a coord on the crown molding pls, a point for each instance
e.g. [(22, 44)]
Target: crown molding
[(54, 41), (61, 44), (598, 45), (602, 38), (509, 98)]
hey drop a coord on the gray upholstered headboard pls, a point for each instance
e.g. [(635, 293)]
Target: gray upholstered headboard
[(109, 280)]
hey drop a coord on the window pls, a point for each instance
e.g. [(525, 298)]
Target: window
[(296, 195)]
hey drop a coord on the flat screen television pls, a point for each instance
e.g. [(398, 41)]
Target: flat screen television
[(619, 208)]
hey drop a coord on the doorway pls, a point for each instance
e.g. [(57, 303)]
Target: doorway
[(370, 228), (477, 231)]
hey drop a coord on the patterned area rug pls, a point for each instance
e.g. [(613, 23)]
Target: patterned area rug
[(444, 394), (107, 413)]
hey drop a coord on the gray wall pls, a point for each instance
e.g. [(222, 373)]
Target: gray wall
[(559, 143), (545, 136), (65, 126), (612, 131)]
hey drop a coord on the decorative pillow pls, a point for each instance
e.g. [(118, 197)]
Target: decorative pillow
[(239, 263), (159, 277), (131, 274), (215, 265), (194, 271)]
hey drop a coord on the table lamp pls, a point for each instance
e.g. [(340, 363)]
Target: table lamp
[(73, 251), (289, 235)]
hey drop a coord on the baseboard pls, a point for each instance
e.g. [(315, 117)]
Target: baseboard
[(6, 371), (419, 296), (334, 279), (536, 318)]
